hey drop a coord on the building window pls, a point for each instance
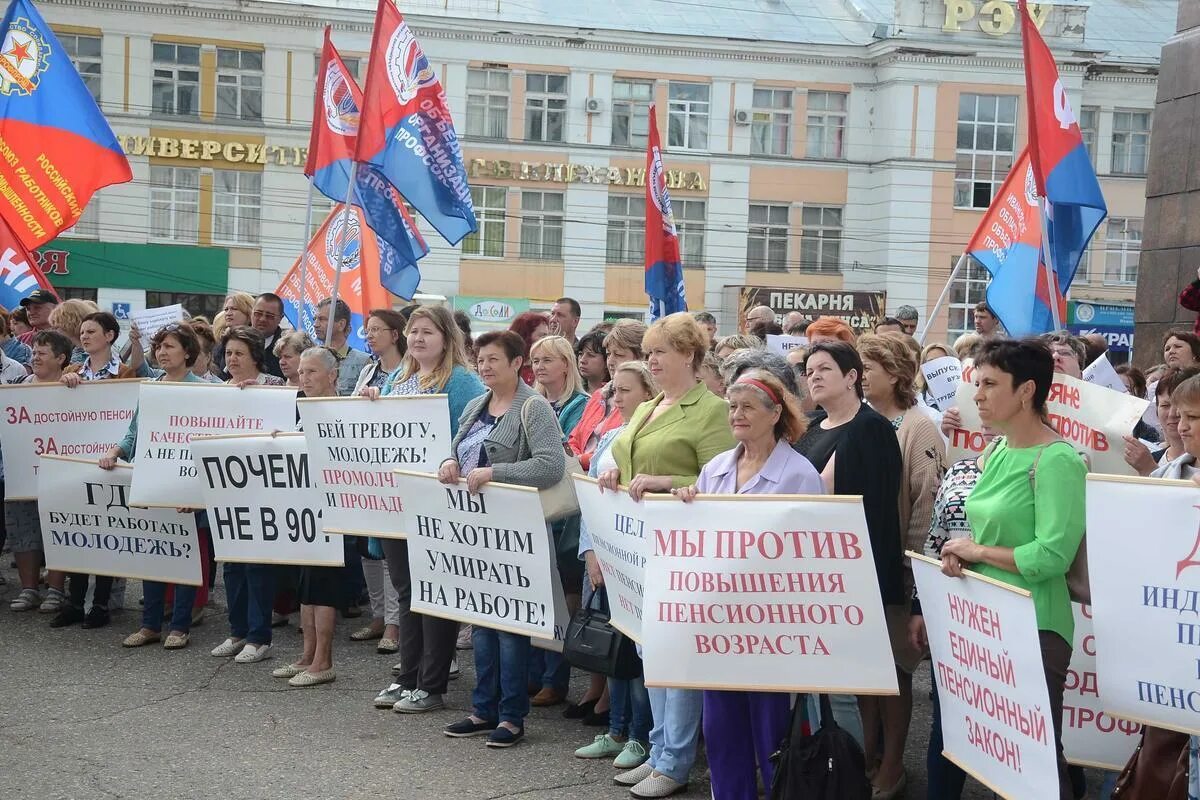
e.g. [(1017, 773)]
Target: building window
[(78, 293), (969, 288), (826, 124), (987, 129), (688, 115), (88, 224), (1122, 250), (490, 212), (84, 52), (239, 84), (626, 229), (176, 84), (545, 107), (771, 123), (631, 113), (321, 206), (487, 103), (767, 243), (174, 203), (1130, 142), (689, 224), (1089, 125), (353, 65), (196, 305), (821, 239), (237, 206), (542, 225)]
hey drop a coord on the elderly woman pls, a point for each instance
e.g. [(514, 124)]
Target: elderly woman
[(1068, 352), (728, 345), (509, 434), (889, 385), (965, 345), (664, 447), (51, 354), (592, 360), (743, 729), (434, 363), (175, 348), (1027, 510), (320, 587), (622, 344), (829, 329), (856, 450), (629, 714), (288, 349), (244, 358)]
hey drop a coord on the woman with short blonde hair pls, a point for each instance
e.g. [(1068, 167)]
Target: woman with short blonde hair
[(67, 318)]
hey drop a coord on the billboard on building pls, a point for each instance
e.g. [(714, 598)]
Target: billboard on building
[(491, 313), (1113, 322), (860, 310)]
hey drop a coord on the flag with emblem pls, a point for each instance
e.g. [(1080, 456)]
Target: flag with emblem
[(407, 132), (56, 148), (330, 164), (664, 269), (20, 275)]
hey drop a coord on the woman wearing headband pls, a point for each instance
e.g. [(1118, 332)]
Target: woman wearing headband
[(743, 729)]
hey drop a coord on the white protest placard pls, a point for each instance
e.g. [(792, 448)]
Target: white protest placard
[(614, 521), (50, 419), (783, 344), (1101, 373), (943, 376), (354, 444), (150, 320), (171, 414), (562, 618), (737, 598), (1091, 738), (89, 527), (262, 505), (1144, 568), (1092, 418), (480, 558), (987, 660)]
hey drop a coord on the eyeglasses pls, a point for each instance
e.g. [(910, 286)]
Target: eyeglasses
[(265, 315)]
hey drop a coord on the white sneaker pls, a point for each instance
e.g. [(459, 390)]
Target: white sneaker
[(227, 648), (252, 654)]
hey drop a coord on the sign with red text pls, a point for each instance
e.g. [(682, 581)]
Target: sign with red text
[(485, 559), (89, 527), (1143, 547), (170, 414), (263, 507), (48, 419), (355, 444), (1091, 738), (1092, 418), (618, 531), (737, 598), (987, 660)]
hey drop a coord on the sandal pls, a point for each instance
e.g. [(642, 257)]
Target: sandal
[(176, 641), (287, 671), (366, 634), (306, 679), (386, 646), (140, 639)]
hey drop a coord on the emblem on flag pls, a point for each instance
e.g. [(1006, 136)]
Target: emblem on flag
[(341, 112), (353, 243), (408, 69), (24, 56)]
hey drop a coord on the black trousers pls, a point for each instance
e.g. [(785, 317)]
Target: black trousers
[(426, 643), (78, 590)]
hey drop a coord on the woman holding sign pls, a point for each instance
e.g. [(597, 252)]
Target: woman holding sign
[(509, 435), (1027, 510), (435, 362), (175, 348), (743, 729), (664, 447)]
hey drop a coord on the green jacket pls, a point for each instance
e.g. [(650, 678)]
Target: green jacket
[(679, 442)]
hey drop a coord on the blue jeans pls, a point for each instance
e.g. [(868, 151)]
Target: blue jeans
[(629, 712), (549, 670), (946, 778), (501, 675), (153, 594), (676, 730), (250, 592), (845, 714)]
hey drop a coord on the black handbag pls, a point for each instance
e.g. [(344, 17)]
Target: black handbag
[(825, 765), (594, 645)]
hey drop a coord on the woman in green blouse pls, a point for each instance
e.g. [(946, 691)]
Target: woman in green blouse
[(1027, 510)]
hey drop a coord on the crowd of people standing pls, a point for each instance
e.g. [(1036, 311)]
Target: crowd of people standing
[(668, 408)]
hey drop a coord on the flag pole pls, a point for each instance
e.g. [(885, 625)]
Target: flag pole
[(941, 301), (337, 277), (303, 307), (1052, 290)]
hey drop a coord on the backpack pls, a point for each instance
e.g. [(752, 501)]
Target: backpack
[(826, 765)]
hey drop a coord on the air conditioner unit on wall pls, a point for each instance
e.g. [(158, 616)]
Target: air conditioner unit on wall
[(741, 117), (593, 105)]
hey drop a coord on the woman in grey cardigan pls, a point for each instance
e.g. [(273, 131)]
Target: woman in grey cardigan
[(510, 434)]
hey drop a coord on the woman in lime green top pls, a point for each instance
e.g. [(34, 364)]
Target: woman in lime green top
[(666, 443), (1027, 510)]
